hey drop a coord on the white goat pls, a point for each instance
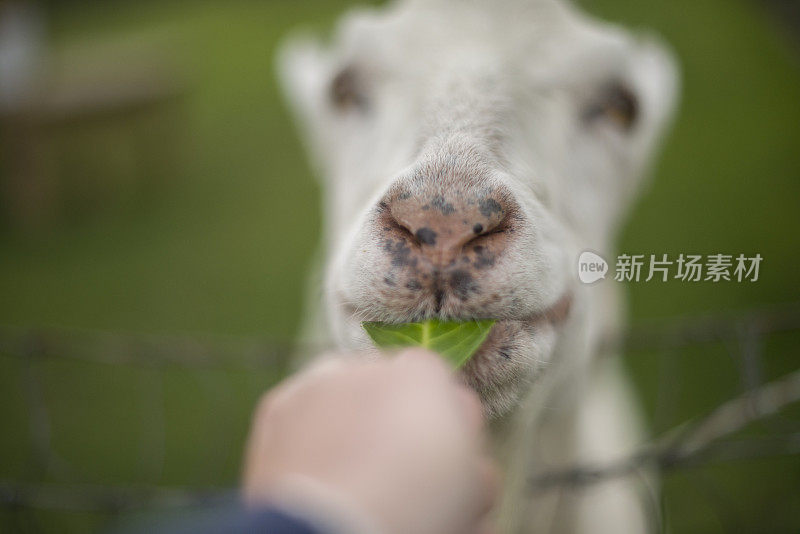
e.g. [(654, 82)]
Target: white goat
[(471, 150)]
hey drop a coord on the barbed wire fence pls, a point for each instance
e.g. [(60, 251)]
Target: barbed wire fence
[(703, 441)]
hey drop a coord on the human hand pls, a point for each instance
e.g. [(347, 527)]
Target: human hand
[(397, 443)]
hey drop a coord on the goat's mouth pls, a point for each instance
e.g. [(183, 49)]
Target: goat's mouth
[(514, 352), (554, 314), (499, 339)]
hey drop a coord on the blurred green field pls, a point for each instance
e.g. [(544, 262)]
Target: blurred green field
[(223, 245)]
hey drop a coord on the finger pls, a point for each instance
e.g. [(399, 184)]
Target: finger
[(489, 482), (423, 363), (318, 370), (486, 526), (470, 405), (258, 434), (259, 420), (269, 407), (418, 356), (327, 364)]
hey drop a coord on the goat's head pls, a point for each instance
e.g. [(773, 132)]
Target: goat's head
[(471, 150)]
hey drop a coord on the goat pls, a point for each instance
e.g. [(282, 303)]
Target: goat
[(470, 151)]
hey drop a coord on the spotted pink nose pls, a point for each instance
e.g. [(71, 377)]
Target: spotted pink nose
[(443, 227)]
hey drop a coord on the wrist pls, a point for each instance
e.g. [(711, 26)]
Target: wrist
[(323, 506)]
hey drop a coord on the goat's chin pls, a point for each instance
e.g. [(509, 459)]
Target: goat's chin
[(507, 364)]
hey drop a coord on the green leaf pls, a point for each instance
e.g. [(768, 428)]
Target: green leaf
[(455, 341)]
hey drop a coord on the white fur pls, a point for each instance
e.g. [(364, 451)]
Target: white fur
[(495, 90)]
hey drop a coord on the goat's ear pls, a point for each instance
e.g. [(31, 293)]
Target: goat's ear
[(303, 67), (657, 76)]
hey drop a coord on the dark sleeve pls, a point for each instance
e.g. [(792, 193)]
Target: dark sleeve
[(262, 521), (233, 518)]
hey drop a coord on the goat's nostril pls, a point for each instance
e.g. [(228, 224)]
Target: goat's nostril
[(478, 228), (401, 229), (426, 236)]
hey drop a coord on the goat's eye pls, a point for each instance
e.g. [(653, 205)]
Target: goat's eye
[(616, 103), (346, 91)]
